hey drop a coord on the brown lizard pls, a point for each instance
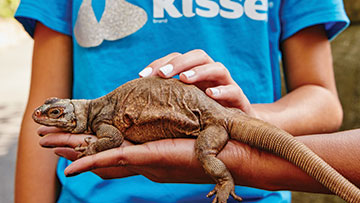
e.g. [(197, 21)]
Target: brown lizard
[(152, 108)]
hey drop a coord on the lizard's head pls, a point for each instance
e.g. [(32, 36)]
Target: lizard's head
[(56, 112)]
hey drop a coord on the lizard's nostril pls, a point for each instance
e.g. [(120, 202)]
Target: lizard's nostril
[(37, 113)]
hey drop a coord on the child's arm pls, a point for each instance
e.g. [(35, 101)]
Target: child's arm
[(312, 104), (51, 76), (249, 166)]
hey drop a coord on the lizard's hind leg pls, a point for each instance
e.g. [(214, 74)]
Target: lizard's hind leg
[(208, 144)]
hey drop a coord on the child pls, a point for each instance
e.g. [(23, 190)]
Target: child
[(85, 49)]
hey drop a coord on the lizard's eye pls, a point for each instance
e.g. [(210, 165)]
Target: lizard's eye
[(55, 113)]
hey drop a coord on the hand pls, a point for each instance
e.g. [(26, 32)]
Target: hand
[(153, 159), (165, 161), (65, 143), (196, 67), (168, 160)]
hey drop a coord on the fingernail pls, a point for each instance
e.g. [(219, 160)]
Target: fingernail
[(215, 91), (146, 72), (167, 69), (188, 74)]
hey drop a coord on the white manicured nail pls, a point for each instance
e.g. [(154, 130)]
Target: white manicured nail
[(146, 72), (167, 69), (215, 91), (188, 74)]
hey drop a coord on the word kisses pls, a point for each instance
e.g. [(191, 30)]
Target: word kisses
[(230, 9)]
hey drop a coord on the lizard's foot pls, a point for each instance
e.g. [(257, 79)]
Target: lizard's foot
[(222, 192), (86, 151)]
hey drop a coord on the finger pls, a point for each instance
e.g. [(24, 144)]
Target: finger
[(184, 62), (63, 140), (214, 74), (67, 153), (231, 96), (152, 68), (44, 130), (114, 157), (103, 159)]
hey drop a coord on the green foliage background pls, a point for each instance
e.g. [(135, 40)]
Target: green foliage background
[(8, 7)]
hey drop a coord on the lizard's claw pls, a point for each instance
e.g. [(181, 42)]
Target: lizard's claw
[(222, 192), (88, 140), (237, 198), (211, 193), (80, 148), (81, 155)]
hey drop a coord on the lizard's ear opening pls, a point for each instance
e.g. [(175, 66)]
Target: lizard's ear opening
[(51, 100)]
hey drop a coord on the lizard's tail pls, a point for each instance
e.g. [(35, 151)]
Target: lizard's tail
[(281, 143)]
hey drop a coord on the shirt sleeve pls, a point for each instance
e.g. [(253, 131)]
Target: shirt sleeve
[(298, 14), (55, 14)]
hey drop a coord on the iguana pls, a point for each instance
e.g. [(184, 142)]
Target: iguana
[(152, 108)]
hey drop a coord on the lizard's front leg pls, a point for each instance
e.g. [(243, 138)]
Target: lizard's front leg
[(208, 144), (108, 137)]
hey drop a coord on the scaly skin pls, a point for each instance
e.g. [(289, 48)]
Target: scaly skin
[(149, 109)]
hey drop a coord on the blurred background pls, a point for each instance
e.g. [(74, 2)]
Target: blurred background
[(15, 69)]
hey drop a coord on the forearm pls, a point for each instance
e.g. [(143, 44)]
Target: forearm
[(312, 104), (307, 110), (35, 179), (51, 77), (264, 170)]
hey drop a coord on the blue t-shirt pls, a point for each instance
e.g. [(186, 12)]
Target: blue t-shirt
[(115, 39)]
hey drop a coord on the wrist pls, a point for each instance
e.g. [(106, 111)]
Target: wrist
[(273, 114), (262, 113), (249, 166), (256, 168)]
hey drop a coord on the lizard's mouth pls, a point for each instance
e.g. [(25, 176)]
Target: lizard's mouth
[(66, 125)]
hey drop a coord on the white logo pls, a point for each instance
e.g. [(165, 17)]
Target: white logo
[(119, 19), (230, 9)]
